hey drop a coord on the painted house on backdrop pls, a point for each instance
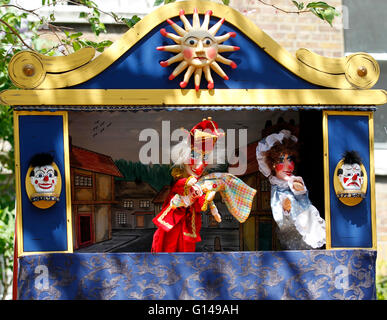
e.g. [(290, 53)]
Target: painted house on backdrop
[(134, 208), (92, 194), (159, 198)]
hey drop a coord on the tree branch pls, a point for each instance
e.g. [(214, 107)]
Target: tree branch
[(32, 11), (60, 41), (98, 9), (16, 34), (282, 10)]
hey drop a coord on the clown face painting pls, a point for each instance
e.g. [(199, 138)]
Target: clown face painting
[(350, 173), (351, 177), (43, 181), (350, 180)]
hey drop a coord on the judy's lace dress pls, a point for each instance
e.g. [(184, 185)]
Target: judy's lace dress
[(302, 227)]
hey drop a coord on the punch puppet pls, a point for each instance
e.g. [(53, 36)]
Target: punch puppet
[(299, 223), (193, 191)]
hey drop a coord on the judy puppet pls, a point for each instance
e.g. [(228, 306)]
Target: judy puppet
[(299, 223)]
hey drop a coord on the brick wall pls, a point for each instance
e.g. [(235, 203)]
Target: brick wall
[(381, 217), (294, 31)]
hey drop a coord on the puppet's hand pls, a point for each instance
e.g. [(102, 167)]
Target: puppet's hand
[(210, 195), (298, 185), (191, 181), (286, 205), (215, 212), (195, 192)]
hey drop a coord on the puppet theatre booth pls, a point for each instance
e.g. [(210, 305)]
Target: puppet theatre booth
[(239, 170)]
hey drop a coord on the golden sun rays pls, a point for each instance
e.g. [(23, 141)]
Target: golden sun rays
[(197, 49)]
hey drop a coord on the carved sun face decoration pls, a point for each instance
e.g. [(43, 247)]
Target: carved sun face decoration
[(197, 49)]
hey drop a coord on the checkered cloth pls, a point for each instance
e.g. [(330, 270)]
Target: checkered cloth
[(237, 195)]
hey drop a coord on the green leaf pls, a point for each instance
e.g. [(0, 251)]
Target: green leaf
[(329, 14), (83, 14), (318, 4), (76, 46), (75, 35), (96, 12), (132, 21), (104, 44), (299, 6), (226, 2), (158, 2), (323, 11), (317, 13)]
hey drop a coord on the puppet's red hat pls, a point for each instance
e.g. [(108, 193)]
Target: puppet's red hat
[(204, 135)]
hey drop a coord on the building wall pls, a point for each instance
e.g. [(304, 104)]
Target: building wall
[(102, 222), (93, 196), (381, 216), (294, 31)]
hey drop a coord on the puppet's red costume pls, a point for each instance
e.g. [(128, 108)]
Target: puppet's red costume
[(179, 225), (178, 228)]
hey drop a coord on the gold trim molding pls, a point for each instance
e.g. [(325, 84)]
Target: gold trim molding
[(119, 97), (360, 70), (327, 177), (31, 70), (18, 182)]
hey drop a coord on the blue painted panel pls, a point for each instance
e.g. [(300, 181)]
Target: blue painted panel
[(302, 275), (350, 226), (139, 67), (43, 229)]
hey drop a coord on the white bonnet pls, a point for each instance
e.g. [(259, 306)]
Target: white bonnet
[(266, 144)]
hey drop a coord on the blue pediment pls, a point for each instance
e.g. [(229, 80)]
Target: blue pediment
[(139, 67)]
